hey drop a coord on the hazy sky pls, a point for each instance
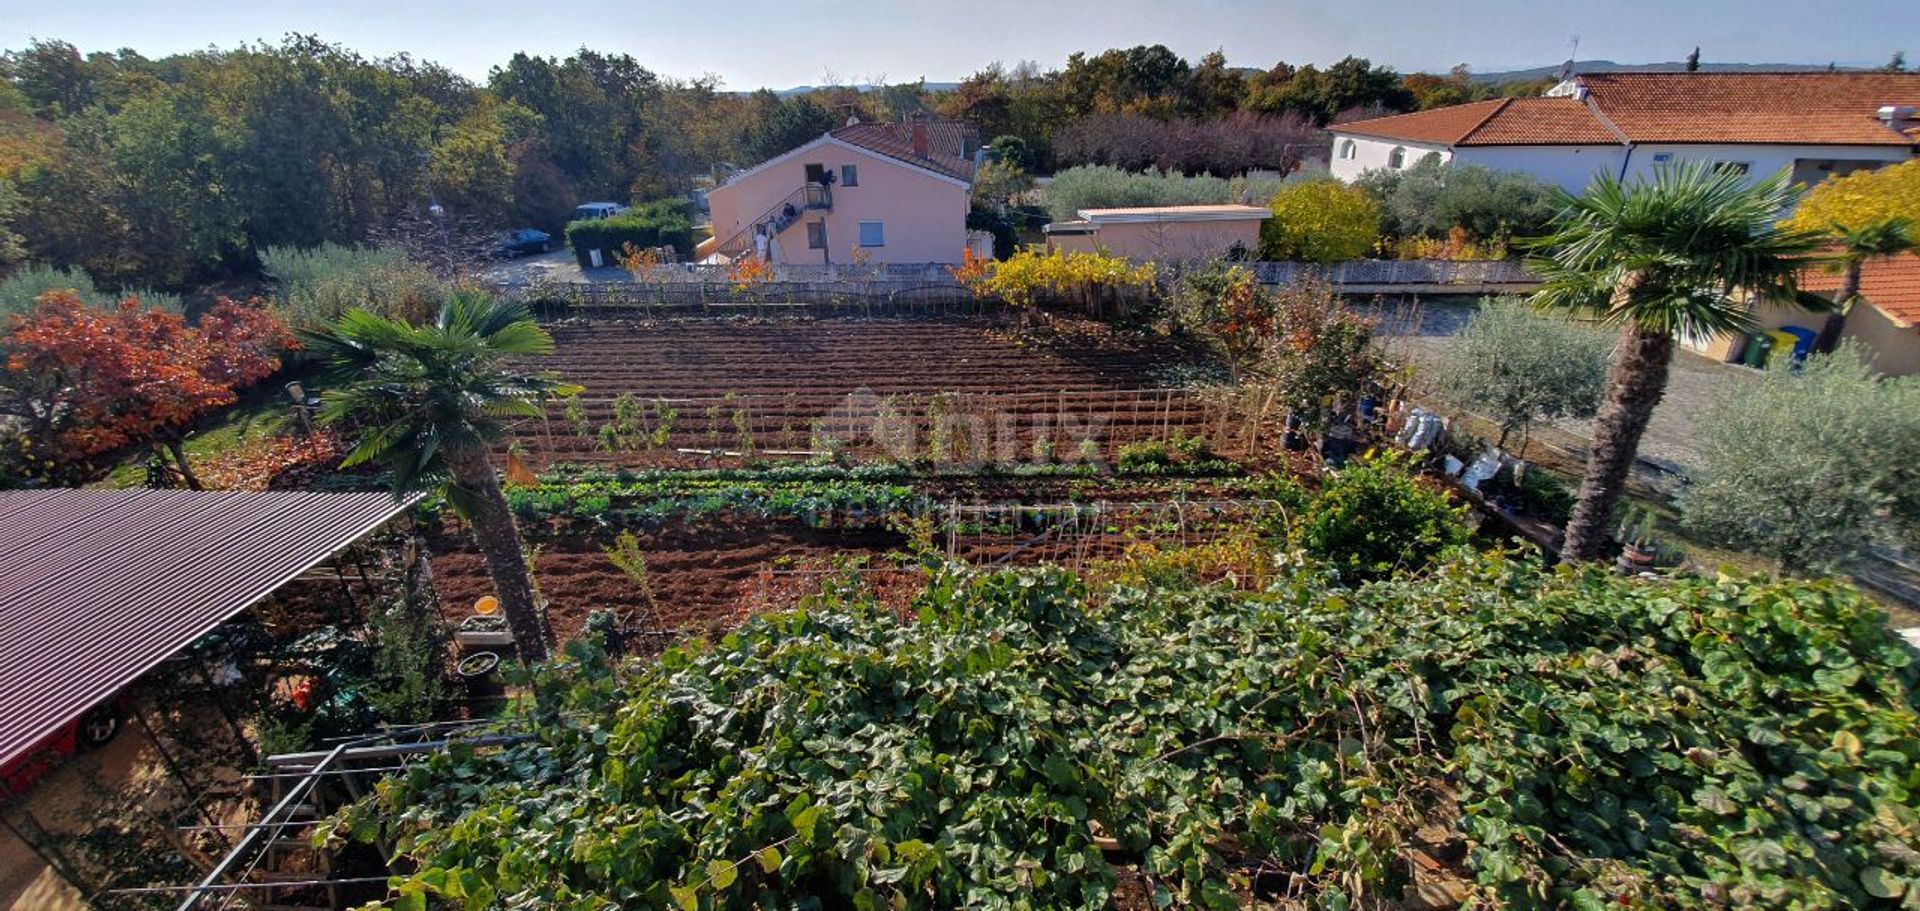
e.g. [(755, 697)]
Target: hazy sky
[(753, 43)]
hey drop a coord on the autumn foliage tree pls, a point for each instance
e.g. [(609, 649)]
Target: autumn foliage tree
[(82, 382), (1321, 221)]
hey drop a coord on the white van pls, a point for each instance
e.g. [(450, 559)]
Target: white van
[(592, 210)]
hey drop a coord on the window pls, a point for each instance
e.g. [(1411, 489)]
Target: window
[(849, 175), (873, 234), (1347, 150), (816, 235), (1397, 158), (1733, 167)]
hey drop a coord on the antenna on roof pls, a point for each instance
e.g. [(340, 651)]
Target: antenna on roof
[(1573, 54), (853, 112)]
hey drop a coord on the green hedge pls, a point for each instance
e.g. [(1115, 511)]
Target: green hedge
[(661, 223)]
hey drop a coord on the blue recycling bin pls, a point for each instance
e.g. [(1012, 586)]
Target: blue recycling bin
[(1803, 341)]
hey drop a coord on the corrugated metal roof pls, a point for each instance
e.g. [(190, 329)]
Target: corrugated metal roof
[(99, 586)]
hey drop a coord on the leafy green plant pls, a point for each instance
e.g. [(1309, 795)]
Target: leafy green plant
[(663, 428), (1593, 741), (1811, 468), (1519, 368), (1142, 454), (1376, 518), (1043, 449), (626, 556)]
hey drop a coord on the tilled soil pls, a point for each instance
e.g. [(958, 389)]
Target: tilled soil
[(701, 575), (770, 388)]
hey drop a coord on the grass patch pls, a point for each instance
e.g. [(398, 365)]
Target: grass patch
[(254, 421)]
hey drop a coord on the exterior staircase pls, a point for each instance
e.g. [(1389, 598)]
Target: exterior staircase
[(810, 197)]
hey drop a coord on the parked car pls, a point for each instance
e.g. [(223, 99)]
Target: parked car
[(592, 210), (524, 241), (90, 731)]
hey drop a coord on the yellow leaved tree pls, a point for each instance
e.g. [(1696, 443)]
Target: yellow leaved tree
[(1321, 221), (1860, 198)]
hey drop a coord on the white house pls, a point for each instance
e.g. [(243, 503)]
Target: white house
[(1623, 124)]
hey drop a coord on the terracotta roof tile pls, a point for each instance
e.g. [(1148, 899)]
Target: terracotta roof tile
[(1792, 108), (1502, 121), (950, 144), (1891, 285), (1814, 108)]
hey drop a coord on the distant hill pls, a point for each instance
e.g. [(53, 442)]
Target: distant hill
[(863, 87), (1608, 66)]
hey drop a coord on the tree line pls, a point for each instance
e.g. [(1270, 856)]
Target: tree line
[(176, 172)]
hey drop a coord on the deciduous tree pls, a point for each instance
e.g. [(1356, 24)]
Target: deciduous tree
[(83, 382), (1321, 221)]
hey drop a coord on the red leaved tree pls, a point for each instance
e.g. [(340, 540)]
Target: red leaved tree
[(86, 382)]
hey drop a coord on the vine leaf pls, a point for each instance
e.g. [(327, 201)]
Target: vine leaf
[(769, 859), (1881, 884)]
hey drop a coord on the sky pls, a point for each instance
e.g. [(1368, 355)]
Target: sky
[(762, 43)]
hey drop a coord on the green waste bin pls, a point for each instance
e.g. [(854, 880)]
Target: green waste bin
[(1758, 344)]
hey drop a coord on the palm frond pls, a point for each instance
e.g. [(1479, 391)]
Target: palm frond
[(1692, 244)]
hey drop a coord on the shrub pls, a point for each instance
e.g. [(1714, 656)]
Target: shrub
[(1323, 350), (661, 223), (1376, 518), (1518, 367), (1320, 221), (20, 292), (1134, 456), (1103, 187), (1810, 468), (1225, 305), (1085, 278), (314, 286), (1433, 198)]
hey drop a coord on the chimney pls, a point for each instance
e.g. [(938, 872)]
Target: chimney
[(920, 142)]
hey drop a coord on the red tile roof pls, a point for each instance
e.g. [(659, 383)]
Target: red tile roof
[(1785, 108), (1502, 121), (1809, 108), (1890, 284), (98, 587), (950, 144)]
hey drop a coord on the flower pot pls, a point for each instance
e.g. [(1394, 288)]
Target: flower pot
[(480, 675)]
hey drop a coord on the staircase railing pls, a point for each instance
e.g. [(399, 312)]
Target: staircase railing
[(810, 197)]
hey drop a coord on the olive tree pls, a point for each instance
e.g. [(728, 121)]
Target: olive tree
[(1519, 368), (1812, 467)]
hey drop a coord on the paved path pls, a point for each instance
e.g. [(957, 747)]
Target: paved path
[(1420, 331)]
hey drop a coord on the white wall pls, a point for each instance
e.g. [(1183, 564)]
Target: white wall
[(1373, 154), (1762, 160), (1573, 167), (1569, 167)]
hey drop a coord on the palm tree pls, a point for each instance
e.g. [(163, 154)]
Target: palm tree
[(1857, 244), (430, 400), (1661, 258)]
